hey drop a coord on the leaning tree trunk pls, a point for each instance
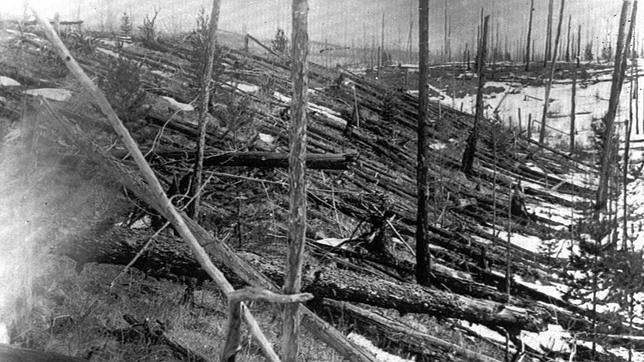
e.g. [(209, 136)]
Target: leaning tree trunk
[(297, 182), (542, 134), (470, 147), (423, 261), (204, 99), (609, 120)]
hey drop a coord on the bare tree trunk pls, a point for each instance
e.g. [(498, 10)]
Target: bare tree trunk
[(573, 96), (568, 40), (204, 99), (297, 182), (423, 258), (548, 50), (627, 148), (470, 148), (542, 134), (609, 119)]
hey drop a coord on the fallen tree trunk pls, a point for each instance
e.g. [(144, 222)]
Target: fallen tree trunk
[(401, 336), (168, 258), (260, 159)]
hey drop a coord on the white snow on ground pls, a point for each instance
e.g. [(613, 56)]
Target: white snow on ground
[(266, 138), (591, 102), (483, 331), (555, 338), (8, 82), (246, 88), (554, 290), (623, 353), (380, 354), (334, 242), (54, 94), (178, 106)]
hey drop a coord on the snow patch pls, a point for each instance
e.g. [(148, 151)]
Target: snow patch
[(8, 82), (178, 106), (266, 138), (54, 94), (380, 354), (4, 334), (334, 242), (555, 339)]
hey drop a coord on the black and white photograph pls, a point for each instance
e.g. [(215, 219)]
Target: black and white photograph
[(307, 180)]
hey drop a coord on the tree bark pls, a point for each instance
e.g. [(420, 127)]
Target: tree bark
[(542, 134), (470, 148), (204, 100), (546, 56), (423, 257), (119, 245), (609, 120), (568, 40), (297, 181), (527, 47)]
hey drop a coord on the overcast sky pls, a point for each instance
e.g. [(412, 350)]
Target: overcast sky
[(346, 21)]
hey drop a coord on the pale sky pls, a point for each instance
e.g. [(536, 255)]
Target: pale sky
[(344, 21)]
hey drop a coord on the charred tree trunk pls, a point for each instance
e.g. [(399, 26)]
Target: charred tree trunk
[(423, 258), (204, 100), (297, 181), (527, 47), (609, 120), (568, 40), (470, 148), (542, 134), (546, 56)]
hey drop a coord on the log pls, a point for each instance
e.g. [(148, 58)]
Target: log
[(402, 336), (269, 160), (167, 258)]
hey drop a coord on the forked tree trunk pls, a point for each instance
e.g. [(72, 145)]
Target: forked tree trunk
[(423, 261), (297, 182), (609, 120), (542, 134), (204, 99), (470, 147)]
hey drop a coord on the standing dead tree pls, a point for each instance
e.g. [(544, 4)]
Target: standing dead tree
[(160, 199), (609, 120), (423, 258), (204, 100), (548, 50), (297, 182), (542, 134), (527, 47), (568, 40), (573, 96), (470, 147)]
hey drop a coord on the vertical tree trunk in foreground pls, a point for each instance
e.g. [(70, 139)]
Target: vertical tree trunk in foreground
[(470, 147), (542, 134), (423, 260), (547, 52), (204, 99), (527, 47), (568, 40), (609, 119), (297, 182)]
